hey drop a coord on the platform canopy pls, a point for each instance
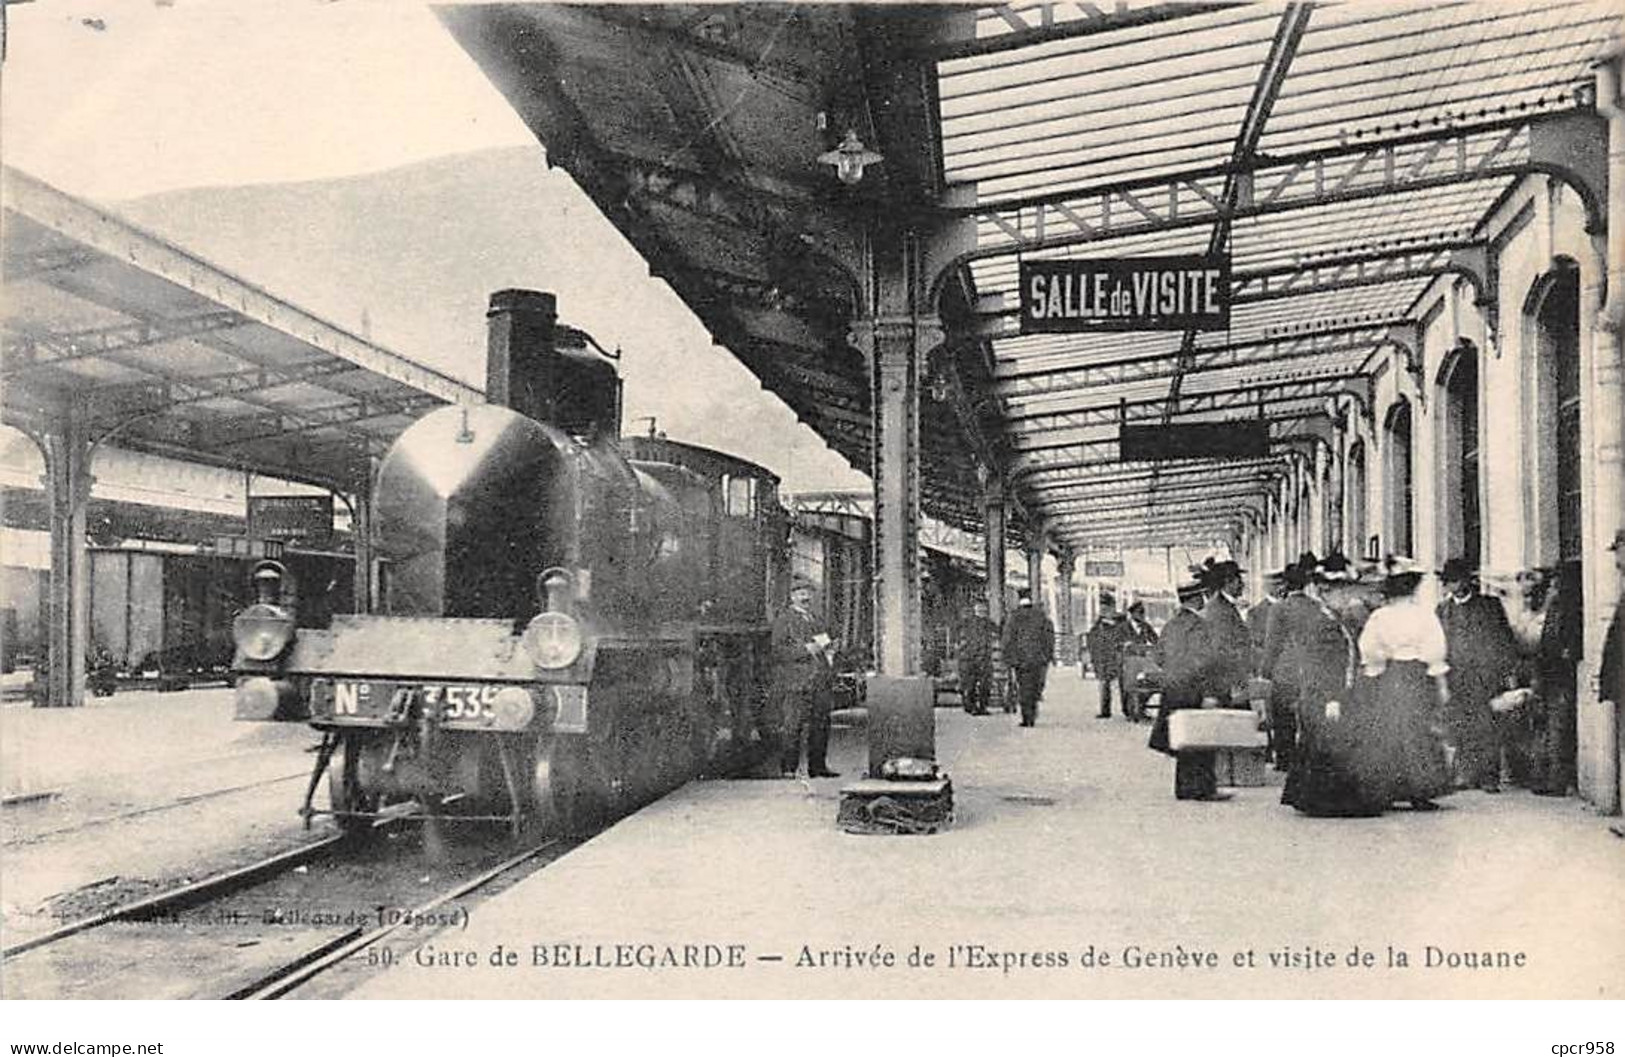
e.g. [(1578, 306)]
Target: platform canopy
[(1341, 158), (148, 347)]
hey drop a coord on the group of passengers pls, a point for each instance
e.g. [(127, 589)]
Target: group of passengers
[(1374, 698), (1111, 648)]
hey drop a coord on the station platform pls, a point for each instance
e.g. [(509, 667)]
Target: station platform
[(1070, 871)]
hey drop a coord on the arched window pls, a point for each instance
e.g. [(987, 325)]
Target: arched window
[(1397, 479), (1462, 518), (1357, 528)]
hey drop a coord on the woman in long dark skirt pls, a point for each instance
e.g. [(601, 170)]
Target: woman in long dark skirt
[(1333, 721), (1402, 651), (1562, 637)]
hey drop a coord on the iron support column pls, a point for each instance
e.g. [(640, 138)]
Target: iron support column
[(895, 347), (68, 481), (993, 543), (896, 341), (1064, 628)]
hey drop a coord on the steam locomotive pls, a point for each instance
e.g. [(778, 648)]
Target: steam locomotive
[(572, 623)]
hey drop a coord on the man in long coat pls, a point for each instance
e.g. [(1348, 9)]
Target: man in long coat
[(803, 682), (1183, 654), (1483, 659), (1029, 646), (1228, 639), (1293, 624), (1105, 644)]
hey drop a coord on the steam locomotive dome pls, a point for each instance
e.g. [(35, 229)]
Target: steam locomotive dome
[(463, 499)]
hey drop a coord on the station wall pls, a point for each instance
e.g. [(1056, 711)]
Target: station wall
[(1533, 321)]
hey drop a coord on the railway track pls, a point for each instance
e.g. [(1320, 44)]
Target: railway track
[(183, 801), (264, 930)]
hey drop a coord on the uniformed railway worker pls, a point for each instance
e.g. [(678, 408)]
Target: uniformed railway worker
[(1029, 646), (803, 683), (1185, 658), (1105, 645)]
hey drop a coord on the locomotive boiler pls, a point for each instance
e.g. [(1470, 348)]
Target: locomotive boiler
[(571, 623)]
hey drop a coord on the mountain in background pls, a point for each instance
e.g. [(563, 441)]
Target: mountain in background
[(408, 257)]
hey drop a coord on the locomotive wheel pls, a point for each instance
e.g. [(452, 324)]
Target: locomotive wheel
[(345, 793)]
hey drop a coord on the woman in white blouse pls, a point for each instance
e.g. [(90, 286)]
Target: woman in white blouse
[(1402, 651)]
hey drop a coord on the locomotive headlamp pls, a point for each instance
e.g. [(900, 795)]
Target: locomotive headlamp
[(553, 640), (262, 631)]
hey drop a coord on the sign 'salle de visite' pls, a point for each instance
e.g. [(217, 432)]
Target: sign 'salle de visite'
[(1129, 293)]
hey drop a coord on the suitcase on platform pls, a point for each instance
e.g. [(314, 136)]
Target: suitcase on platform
[(1196, 729)]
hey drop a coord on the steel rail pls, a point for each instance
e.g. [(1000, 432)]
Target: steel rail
[(280, 982), (183, 897)]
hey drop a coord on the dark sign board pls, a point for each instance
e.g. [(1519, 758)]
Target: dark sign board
[(1129, 293), (304, 519), (1196, 440), (1106, 569)]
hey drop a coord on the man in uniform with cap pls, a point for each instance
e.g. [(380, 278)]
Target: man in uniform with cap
[(1105, 644), (803, 682), (1184, 657), (1029, 646), (1483, 658)]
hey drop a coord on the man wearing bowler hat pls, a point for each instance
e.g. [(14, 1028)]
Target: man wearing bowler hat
[(1483, 658), (1229, 641), (803, 682)]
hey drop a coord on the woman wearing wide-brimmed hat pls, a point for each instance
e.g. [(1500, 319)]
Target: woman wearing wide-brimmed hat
[(1402, 651), (1328, 773)]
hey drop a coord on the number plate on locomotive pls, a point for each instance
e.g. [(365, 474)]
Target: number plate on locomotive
[(457, 706), (372, 701)]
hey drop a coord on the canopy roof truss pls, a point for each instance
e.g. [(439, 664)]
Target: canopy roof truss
[(141, 344), (1344, 157)]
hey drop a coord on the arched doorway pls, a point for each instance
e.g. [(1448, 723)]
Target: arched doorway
[(1463, 520), (1401, 520), (1554, 477)]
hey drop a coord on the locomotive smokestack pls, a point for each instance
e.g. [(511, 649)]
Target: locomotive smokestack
[(547, 371), (519, 356)]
